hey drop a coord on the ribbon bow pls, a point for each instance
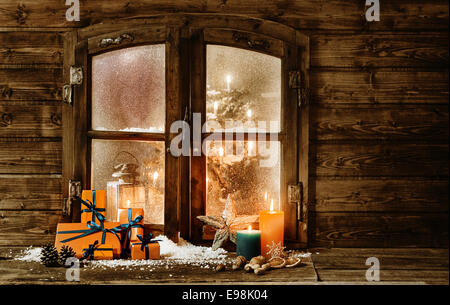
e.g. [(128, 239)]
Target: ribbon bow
[(144, 243), (93, 228), (89, 252), (90, 207), (126, 227)]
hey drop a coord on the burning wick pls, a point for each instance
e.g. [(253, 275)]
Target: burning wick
[(228, 78)]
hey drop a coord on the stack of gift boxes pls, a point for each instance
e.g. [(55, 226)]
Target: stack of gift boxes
[(94, 238)]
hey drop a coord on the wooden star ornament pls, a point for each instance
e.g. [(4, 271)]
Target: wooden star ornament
[(228, 223)]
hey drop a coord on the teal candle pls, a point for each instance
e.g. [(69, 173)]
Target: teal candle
[(248, 243)]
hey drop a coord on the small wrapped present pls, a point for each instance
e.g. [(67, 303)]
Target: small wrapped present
[(145, 248), (132, 223), (77, 235), (93, 204), (97, 251)]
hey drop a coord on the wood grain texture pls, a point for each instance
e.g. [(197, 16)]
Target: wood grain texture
[(375, 160), (427, 50), (425, 196), (336, 15), (380, 230), (30, 157), (39, 193), (381, 122), (38, 119), (25, 228), (379, 87)]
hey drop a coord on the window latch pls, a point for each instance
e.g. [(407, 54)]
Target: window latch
[(74, 191), (76, 78), (295, 82), (295, 196)]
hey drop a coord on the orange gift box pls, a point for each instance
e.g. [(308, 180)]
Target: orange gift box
[(128, 215), (101, 252), (137, 253), (93, 199), (77, 235)]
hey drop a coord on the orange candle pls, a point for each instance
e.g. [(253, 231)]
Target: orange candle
[(271, 224)]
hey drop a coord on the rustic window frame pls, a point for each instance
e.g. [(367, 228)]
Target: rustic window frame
[(186, 37)]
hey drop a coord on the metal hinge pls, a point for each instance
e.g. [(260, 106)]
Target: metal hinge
[(295, 82), (74, 191), (295, 195), (76, 79)]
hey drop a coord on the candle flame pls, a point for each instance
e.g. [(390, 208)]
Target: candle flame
[(221, 151), (249, 113), (265, 196), (128, 203), (249, 228), (271, 205), (155, 176), (228, 78)]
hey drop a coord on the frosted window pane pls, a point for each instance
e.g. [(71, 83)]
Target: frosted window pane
[(128, 89), (242, 86), (130, 170), (234, 168)]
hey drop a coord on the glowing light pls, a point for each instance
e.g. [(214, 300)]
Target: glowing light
[(221, 151), (271, 205), (250, 228), (155, 176), (128, 203), (216, 106), (228, 79), (265, 196), (249, 113)]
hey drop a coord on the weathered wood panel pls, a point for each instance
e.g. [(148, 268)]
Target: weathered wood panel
[(335, 15), (380, 230), (381, 196), (38, 119), (30, 157), (25, 228), (381, 122), (25, 48), (428, 50), (380, 87), (34, 193), (372, 160)]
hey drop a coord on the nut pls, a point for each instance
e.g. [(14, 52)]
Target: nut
[(220, 267), (259, 271), (239, 262)]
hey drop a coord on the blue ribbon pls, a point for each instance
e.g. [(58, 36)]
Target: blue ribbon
[(92, 208), (144, 243), (89, 252), (127, 228), (93, 228)]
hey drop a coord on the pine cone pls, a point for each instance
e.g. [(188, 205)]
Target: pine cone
[(49, 256), (64, 254)]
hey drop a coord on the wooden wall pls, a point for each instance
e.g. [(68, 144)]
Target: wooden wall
[(379, 114)]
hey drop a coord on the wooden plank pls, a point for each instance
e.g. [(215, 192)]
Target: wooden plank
[(380, 230), (348, 15), (381, 196), (381, 122), (31, 91), (30, 75), (374, 160), (380, 50), (40, 119), (379, 87), (25, 228), (30, 157), (435, 277), (356, 261), (30, 193)]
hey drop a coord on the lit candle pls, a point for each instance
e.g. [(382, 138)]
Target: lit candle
[(228, 78), (216, 106), (248, 243), (155, 176), (271, 224)]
